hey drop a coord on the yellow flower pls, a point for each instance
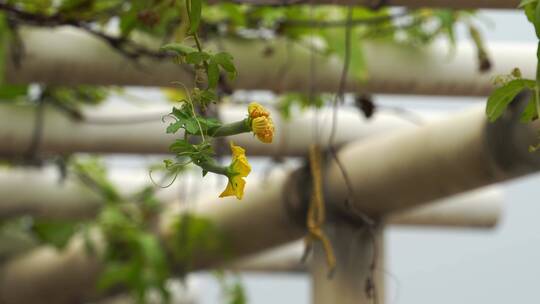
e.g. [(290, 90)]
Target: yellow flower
[(256, 110), (263, 128), (238, 169), (261, 123)]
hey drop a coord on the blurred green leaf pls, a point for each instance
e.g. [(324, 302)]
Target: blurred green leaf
[(502, 96), (207, 96), (537, 20), (530, 113), (174, 127), (56, 233), (225, 60), (523, 3), (116, 273), (178, 48), (93, 172), (10, 92), (197, 57), (181, 146), (4, 37), (195, 15), (213, 74)]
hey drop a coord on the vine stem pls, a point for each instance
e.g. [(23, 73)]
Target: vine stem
[(195, 35), (214, 167), (234, 128), (537, 87)]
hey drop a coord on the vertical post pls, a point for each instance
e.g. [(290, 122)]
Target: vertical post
[(354, 250)]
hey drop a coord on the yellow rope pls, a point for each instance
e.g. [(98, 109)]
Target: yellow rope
[(316, 211)]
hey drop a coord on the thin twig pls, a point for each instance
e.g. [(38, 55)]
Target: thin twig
[(369, 223), (343, 23), (122, 45)]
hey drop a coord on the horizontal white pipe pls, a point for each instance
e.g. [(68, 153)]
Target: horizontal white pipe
[(61, 134), (50, 199), (67, 56), (443, 158), (475, 209), (55, 198)]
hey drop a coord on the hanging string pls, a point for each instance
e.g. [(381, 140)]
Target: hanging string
[(317, 213)]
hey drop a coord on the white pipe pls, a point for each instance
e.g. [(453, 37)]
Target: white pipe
[(356, 248), (67, 56), (50, 199), (61, 134), (411, 167), (54, 198), (474, 209)]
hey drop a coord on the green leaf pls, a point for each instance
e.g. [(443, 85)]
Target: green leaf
[(116, 273), (112, 218), (213, 74), (180, 146), (225, 60), (197, 57), (447, 19), (208, 96), (530, 113), (185, 119), (181, 113), (178, 48), (9, 92), (538, 60), (210, 123), (89, 247), (95, 171), (128, 22), (173, 127), (537, 20), (195, 15), (530, 10), (4, 35), (501, 97), (523, 3), (151, 249), (191, 126), (204, 152), (237, 294), (56, 233)]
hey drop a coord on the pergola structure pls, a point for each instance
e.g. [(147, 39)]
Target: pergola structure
[(405, 174)]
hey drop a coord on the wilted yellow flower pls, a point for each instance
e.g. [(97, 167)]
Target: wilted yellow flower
[(261, 123), (263, 128), (256, 110), (238, 169)]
